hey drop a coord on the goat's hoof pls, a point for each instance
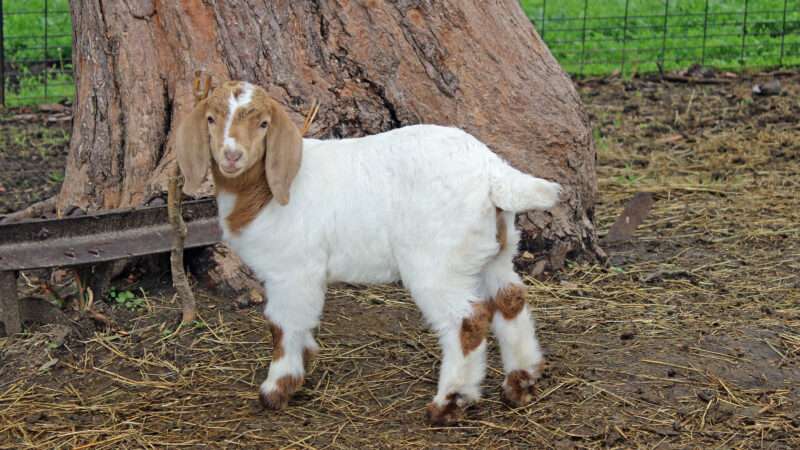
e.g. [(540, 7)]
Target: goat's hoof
[(274, 400), (278, 397), (518, 387), (448, 414)]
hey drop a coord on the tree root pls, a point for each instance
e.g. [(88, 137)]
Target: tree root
[(35, 210)]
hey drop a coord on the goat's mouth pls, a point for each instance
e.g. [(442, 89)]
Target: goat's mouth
[(229, 170)]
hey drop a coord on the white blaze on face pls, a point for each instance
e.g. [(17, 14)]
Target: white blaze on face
[(235, 103)]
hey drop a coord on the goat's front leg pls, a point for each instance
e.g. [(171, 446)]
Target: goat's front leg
[(293, 311)]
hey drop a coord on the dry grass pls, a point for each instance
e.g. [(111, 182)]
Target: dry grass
[(690, 338)]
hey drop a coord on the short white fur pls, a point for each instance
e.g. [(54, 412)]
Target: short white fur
[(416, 204)]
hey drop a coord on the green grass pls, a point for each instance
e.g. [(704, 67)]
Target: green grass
[(30, 37), (610, 42), (598, 42)]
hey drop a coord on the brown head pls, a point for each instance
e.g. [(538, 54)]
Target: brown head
[(237, 127)]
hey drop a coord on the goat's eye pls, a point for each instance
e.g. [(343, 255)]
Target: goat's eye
[(264, 124), (210, 120)]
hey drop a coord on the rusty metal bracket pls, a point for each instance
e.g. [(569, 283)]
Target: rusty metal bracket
[(107, 236), (634, 214), (94, 239)]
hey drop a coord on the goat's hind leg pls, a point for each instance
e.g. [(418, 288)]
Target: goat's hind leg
[(512, 323), (293, 311), (461, 321), (522, 357)]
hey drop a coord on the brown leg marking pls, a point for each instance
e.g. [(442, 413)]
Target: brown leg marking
[(448, 414), (279, 398), (308, 357), (475, 327), (277, 341), (510, 300), (518, 388), (502, 231)]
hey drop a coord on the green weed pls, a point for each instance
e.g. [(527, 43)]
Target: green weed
[(57, 177), (629, 177), (126, 299)]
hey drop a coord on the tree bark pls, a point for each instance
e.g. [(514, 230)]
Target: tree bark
[(372, 64)]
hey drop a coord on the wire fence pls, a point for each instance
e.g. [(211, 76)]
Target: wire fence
[(35, 52), (591, 37), (588, 37)]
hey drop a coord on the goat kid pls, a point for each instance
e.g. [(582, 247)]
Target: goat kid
[(428, 205)]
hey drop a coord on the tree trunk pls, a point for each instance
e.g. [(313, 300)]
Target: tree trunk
[(373, 65)]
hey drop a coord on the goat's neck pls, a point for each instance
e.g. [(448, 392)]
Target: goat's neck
[(251, 191)]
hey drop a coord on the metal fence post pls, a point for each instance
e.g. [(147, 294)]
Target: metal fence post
[(624, 38), (544, 16), (583, 35), (9, 304), (744, 33), (2, 61), (46, 63), (664, 32), (705, 34), (783, 31)]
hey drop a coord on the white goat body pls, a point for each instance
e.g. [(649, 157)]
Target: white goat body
[(366, 210), (429, 205)]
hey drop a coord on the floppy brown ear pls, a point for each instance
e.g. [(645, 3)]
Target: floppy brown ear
[(284, 152), (193, 148)]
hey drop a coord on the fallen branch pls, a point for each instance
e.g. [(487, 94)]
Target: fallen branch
[(179, 280)]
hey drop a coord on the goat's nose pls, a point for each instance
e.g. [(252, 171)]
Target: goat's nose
[(233, 155)]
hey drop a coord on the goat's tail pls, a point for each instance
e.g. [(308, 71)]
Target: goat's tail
[(512, 190)]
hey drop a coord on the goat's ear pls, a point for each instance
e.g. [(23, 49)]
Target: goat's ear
[(193, 148), (284, 152)]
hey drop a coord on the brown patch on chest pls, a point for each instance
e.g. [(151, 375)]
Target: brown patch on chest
[(251, 190)]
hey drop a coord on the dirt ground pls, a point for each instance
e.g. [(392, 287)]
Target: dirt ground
[(688, 338)]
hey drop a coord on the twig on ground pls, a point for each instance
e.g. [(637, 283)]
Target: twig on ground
[(179, 280)]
